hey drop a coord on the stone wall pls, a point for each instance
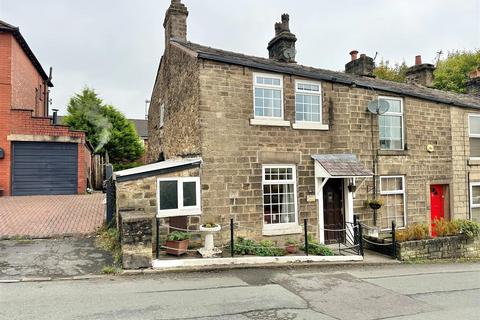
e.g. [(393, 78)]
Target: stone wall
[(177, 88), (439, 248), (136, 239)]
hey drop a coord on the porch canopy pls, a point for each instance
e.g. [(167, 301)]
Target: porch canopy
[(345, 165)]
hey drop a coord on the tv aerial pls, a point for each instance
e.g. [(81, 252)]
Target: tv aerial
[(378, 106)]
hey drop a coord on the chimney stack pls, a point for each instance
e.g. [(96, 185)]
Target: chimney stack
[(282, 46), (421, 73), (362, 66), (473, 85), (175, 22)]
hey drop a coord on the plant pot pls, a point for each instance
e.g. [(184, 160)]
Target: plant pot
[(375, 206), (292, 248), (352, 188), (176, 248)]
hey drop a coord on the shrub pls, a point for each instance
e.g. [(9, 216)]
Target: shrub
[(413, 232), (443, 228), (265, 248), (108, 239), (316, 248), (178, 236), (470, 229)]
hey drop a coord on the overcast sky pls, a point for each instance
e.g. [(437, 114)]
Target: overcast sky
[(114, 46)]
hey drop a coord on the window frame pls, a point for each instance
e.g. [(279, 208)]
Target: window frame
[(269, 86), (181, 210), (394, 192), (310, 93), (472, 135), (281, 226), (389, 113), (472, 205)]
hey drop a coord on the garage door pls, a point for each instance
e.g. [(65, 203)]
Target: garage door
[(44, 168)]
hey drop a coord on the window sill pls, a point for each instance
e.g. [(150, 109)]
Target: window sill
[(309, 126), (393, 153), (474, 162), (179, 213), (269, 122), (281, 230)]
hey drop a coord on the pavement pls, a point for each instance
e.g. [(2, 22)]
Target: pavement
[(397, 291), (51, 258), (51, 216)]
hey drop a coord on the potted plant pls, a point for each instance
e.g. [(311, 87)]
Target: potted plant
[(375, 203), (177, 243), (291, 246), (209, 250)]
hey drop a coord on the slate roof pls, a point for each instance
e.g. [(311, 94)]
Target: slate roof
[(208, 53), (142, 127), (15, 31), (342, 165)]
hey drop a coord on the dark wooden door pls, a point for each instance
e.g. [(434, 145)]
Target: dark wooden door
[(437, 204), (333, 217)]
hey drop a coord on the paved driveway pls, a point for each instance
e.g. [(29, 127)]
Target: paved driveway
[(51, 216)]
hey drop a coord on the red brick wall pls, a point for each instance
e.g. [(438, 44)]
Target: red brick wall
[(18, 80), (28, 87)]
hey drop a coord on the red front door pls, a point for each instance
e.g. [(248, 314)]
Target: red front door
[(436, 204)]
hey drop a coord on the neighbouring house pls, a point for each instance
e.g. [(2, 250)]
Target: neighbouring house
[(37, 155), (141, 125), (270, 142)]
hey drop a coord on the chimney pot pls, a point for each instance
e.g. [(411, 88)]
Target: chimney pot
[(418, 60), (353, 54)]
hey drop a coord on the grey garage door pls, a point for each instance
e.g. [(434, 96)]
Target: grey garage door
[(44, 168)]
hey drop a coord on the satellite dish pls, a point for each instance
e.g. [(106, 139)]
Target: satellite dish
[(378, 106)]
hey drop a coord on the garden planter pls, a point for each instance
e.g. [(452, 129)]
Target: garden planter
[(176, 248), (209, 250), (291, 248), (375, 206), (352, 188)]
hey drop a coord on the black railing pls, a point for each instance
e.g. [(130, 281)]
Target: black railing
[(386, 245)]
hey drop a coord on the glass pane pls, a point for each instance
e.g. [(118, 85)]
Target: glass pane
[(395, 105), (476, 214), (474, 125), (258, 92), (475, 195), (189, 194), (168, 195), (475, 147)]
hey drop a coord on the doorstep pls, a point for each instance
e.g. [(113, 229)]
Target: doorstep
[(247, 261)]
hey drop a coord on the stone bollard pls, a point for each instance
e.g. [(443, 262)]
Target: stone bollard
[(136, 239)]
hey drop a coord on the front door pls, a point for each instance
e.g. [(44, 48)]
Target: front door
[(437, 204), (333, 216)]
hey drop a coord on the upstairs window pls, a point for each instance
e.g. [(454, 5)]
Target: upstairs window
[(178, 196), (308, 102), (268, 96), (162, 115), (391, 125), (474, 135)]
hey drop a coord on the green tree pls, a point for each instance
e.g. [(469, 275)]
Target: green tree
[(106, 128), (396, 73), (452, 73)]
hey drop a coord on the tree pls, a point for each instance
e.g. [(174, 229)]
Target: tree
[(396, 73), (452, 73), (106, 128)]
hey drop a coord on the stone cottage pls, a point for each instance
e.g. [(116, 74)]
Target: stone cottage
[(277, 142)]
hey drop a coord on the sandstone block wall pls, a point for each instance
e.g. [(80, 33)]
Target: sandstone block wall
[(439, 248)]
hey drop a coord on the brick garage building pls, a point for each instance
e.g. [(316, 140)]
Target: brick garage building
[(37, 155), (274, 136)]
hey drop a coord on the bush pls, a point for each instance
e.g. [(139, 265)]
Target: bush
[(316, 248), (413, 232), (470, 229), (265, 248), (178, 236), (443, 228)]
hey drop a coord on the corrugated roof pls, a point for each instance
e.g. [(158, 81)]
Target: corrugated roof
[(156, 168), (15, 31), (342, 165), (208, 53)]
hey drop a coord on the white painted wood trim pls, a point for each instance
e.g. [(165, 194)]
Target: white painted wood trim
[(269, 122), (272, 230)]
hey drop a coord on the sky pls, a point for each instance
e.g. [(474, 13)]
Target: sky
[(114, 46)]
